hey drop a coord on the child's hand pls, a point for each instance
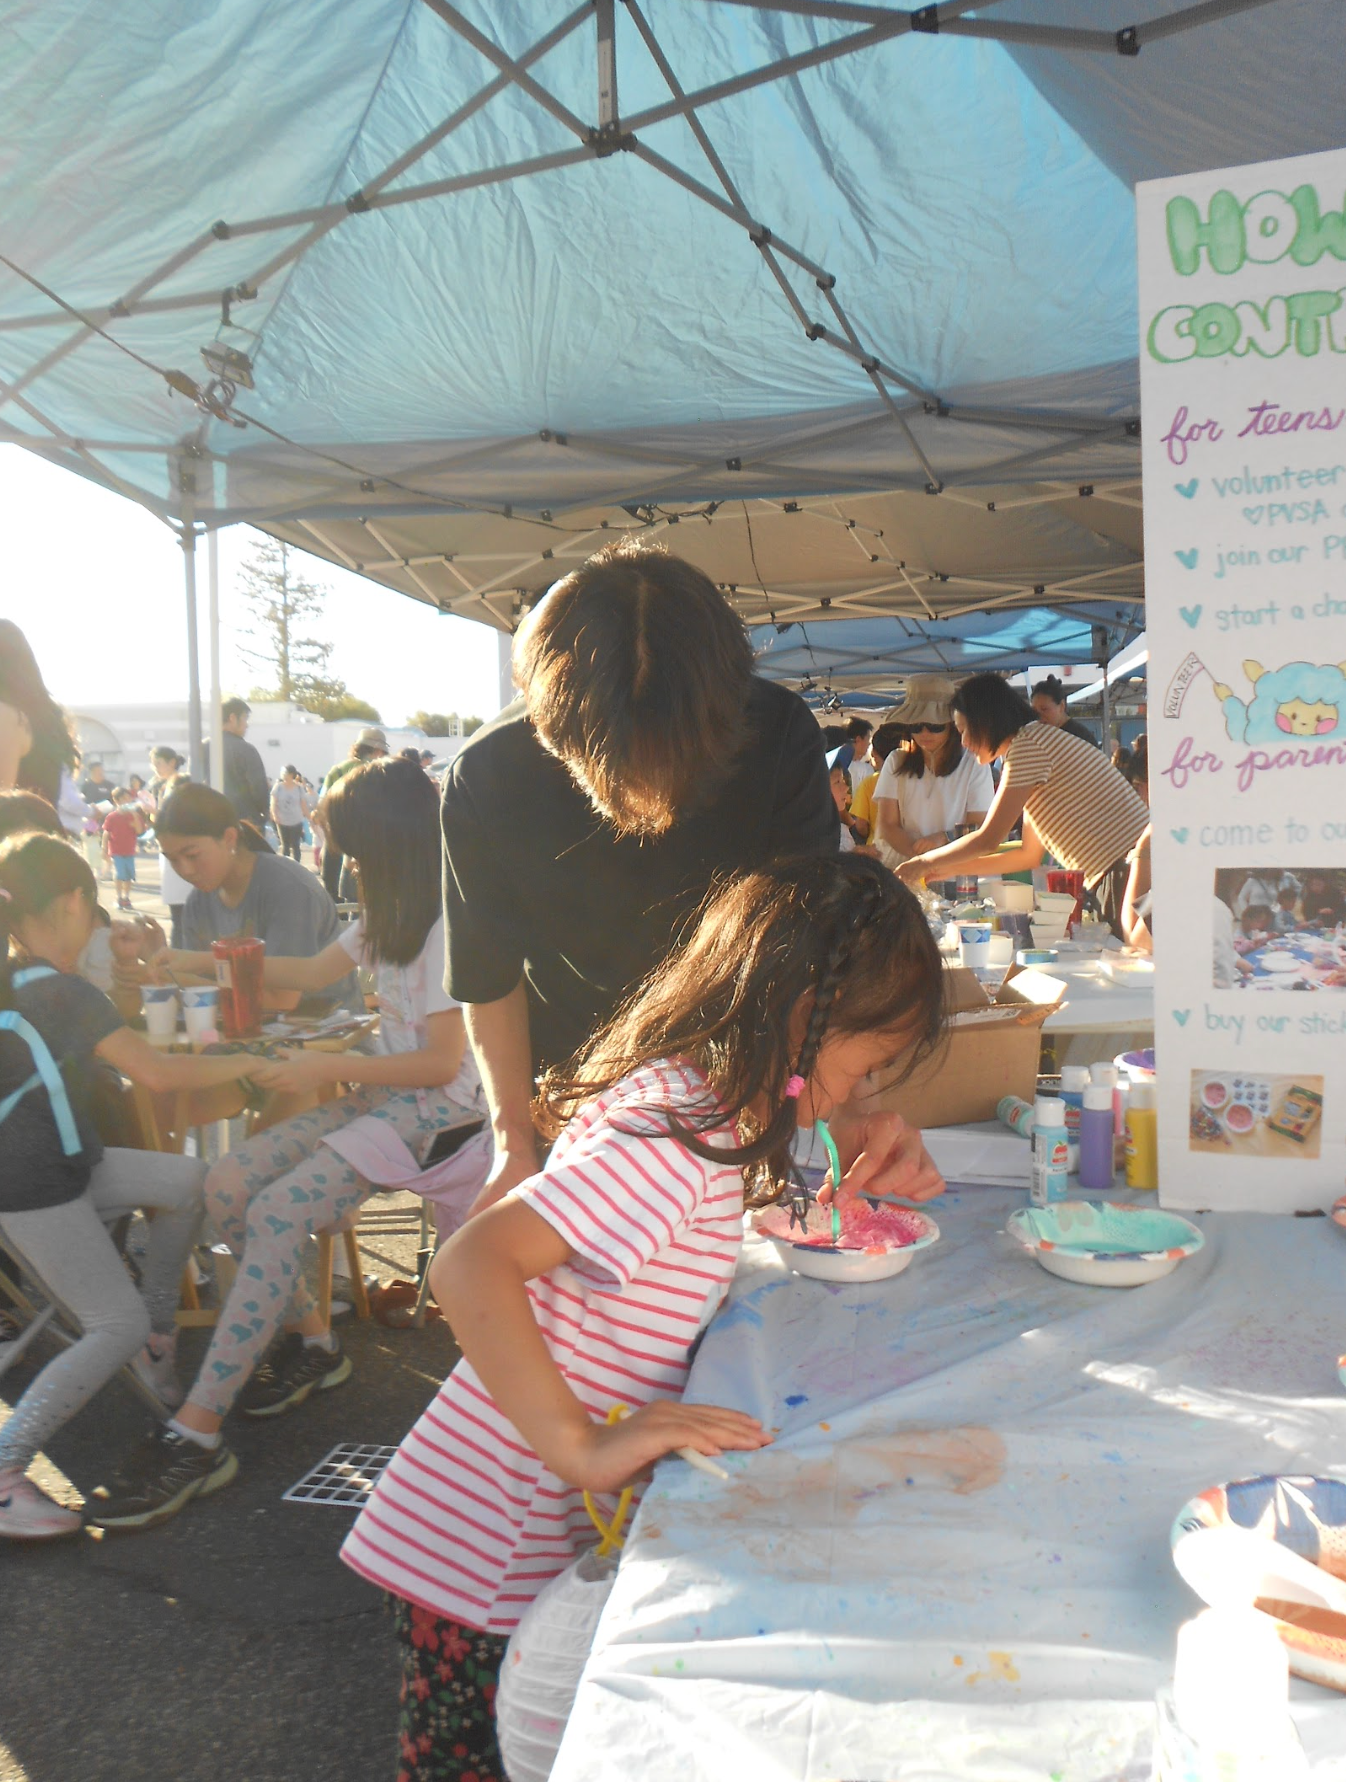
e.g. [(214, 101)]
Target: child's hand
[(296, 1073), (605, 1457), (888, 1158)]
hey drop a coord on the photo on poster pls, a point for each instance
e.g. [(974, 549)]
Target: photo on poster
[(1279, 928), (1234, 1114)]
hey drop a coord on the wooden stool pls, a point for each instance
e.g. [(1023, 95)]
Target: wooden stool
[(359, 1298)]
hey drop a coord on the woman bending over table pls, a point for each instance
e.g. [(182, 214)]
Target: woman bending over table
[(1073, 802), (312, 1173)]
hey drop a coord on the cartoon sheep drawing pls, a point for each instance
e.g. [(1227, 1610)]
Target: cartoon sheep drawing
[(1300, 699)]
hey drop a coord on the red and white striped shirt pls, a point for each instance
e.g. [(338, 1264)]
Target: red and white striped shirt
[(466, 1520)]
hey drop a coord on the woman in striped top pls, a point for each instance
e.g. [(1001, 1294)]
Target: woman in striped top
[(588, 1285), (1073, 802)]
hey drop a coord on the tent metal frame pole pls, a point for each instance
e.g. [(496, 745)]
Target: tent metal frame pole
[(187, 537), (213, 639)]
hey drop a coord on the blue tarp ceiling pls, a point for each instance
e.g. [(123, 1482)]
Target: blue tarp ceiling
[(507, 270)]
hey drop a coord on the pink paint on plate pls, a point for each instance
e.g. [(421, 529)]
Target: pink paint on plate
[(877, 1229), (1215, 1094), (1240, 1118)]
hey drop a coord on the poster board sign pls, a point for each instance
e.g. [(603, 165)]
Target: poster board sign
[(1243, 395)]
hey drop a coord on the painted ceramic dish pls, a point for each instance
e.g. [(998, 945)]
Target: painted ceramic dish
[(1105, 1246), (1280, 962), (1308, 1516), (876, 1241)]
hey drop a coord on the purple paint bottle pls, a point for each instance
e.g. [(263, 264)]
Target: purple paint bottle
[(1096, 1169)]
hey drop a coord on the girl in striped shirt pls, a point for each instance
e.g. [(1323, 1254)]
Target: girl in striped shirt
[(588, 1285)]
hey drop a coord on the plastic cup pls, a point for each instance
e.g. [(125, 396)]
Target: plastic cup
[(201, 1012), (161, 1013), (974, 944), (1001, 950), (239, 960)]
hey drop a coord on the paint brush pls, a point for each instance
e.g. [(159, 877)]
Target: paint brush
[(829, 1145), (703, 1463)]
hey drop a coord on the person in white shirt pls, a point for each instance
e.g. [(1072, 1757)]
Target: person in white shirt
[(291, 806), (930, 788)]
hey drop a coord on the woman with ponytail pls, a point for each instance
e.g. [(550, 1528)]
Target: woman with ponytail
[(588, 1285), (59, 1188)]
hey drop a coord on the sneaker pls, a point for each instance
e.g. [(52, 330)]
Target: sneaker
[(289, 1373), (157, 1368), (158, 1478), (28, 1514)]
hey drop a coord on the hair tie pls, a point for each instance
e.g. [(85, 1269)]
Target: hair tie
[(794, 1088)]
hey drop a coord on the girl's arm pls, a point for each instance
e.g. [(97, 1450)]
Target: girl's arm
[(157, 1071), (279, 972), (888, 822), (974, 852), (437, 1062), (480, 1279)]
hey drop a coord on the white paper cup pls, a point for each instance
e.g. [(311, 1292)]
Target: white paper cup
[(161, 1014), (201, 1011), (1001, 950), (974, 944)]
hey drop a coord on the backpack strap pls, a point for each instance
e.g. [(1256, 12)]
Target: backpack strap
[(46, 1074)]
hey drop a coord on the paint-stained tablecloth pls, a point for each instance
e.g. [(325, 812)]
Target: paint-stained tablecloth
[(953, 1565)]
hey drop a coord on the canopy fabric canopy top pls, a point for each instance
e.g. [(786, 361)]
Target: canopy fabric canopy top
[(473, 278)]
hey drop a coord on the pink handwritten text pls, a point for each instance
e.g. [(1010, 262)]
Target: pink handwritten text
[(1268, 418), (1186, 763), (1184, 434)]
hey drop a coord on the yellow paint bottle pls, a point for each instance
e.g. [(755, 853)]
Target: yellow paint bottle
[(1142, 1138)]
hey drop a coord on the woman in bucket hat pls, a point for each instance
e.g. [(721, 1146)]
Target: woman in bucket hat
[(930, 787)]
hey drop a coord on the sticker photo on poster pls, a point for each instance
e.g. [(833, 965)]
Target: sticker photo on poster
[(1235, 1115)]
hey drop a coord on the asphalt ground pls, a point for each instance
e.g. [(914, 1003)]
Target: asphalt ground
[(231, 1644)]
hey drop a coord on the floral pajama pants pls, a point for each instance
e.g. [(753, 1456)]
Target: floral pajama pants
[(268, 1198), (446, 1722)]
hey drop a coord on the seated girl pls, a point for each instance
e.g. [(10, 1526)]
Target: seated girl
[(588, 1286), (58, 1187), (312, 1173)]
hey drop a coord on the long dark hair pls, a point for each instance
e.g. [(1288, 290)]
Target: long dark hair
[(841, 931), (34, 871), (992, 710), (385, 815), (25, 813), (193, 809), (22, 686), (911, 761)]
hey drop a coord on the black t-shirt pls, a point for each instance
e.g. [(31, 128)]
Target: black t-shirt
[(536, 883), (94, 793), (1073, 727), (72, 1018)]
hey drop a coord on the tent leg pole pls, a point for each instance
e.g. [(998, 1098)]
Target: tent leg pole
[(1107, 712), (216, 717), (188, 537), (505, 668)]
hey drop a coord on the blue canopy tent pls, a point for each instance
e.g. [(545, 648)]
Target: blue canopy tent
[(450, 292), (869, 657)]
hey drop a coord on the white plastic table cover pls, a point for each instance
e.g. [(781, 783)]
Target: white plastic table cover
[(1096, 1003), (953, 1563)]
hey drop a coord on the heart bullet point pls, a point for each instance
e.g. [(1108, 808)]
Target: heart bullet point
[(1190, 615), (1179, 835), (1187, 558), (1180, 1016), (1187, 490)]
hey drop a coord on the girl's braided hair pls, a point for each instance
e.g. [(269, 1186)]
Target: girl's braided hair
[(838, 940)]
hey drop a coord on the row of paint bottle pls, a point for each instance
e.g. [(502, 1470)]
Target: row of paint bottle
[(1077, 1131)]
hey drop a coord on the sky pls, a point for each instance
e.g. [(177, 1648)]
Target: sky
[(96, 583)]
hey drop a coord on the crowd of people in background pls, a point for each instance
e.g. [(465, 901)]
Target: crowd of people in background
[(560, 1007)]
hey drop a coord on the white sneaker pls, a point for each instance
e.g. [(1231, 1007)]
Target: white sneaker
[(158, 1369), (27, 1514)]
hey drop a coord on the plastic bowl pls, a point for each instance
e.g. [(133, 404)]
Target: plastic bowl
[(1037, 956), (1301, 1512), (1098, 1245)]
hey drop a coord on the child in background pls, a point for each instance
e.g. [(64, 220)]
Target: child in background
[(589, 1284), (1287, 908), (838, 780), (122, 829), (59, 1186), (1257, 925)]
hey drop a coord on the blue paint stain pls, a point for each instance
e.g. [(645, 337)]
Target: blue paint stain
[(798, 1398), (1116, 1458), (744, 1311)]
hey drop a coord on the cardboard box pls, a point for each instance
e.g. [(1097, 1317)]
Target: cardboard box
[(992, 1052)]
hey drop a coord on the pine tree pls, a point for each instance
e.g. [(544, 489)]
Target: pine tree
[(283, 607)]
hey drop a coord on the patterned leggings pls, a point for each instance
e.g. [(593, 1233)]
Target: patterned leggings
[(268, 1198), (446, 1722)]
